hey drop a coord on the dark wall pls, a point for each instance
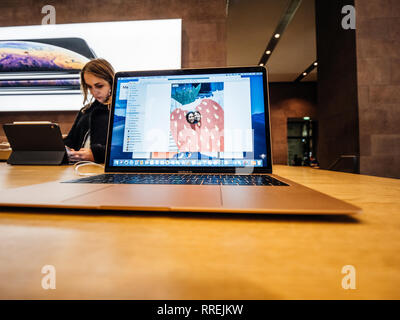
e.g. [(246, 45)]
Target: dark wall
[(337, 84), (378, 65), (289, 100), (203, 32)]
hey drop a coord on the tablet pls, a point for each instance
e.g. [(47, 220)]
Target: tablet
[(35, 143)]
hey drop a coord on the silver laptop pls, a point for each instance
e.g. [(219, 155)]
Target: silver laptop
[(186, 140)]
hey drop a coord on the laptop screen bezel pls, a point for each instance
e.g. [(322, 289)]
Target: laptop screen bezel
[(208, 169)]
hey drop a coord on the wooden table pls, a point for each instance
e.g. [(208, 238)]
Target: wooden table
[(113, 255)]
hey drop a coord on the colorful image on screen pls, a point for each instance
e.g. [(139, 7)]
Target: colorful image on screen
[(196, 120), (197, 116)]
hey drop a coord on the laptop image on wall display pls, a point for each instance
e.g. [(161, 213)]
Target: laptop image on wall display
[(194, 140)]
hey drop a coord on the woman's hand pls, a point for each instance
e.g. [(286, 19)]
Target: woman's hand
[(84, 154)]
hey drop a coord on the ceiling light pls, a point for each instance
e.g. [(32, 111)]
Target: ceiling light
[(261, 64), (315, 63), (304, 73), (277, 35), (268, 52)]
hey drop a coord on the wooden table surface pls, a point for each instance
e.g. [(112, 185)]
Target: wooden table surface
[(113, 255)]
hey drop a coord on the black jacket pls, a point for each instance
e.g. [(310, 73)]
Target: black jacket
[(93, 121)]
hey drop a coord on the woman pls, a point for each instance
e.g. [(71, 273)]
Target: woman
[(88, 135)]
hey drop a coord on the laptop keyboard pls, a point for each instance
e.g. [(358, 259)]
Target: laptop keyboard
[(206, 179)]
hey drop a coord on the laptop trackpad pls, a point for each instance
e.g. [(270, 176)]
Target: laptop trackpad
[(152, 197)]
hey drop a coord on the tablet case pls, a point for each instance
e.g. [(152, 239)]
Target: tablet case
[(35, 144)]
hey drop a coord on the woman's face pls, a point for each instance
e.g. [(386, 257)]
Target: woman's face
[(191, 117), (98, 87)]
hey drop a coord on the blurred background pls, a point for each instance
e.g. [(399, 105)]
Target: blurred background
[(334, 92)]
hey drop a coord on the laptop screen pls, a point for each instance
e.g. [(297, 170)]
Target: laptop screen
[(210, 119)]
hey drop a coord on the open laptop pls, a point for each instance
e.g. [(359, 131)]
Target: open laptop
[(186, 140)]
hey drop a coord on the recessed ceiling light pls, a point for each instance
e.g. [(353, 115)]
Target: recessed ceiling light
[(277, 35), (315, 63), (261, 64), (268, 52), (304, 73)]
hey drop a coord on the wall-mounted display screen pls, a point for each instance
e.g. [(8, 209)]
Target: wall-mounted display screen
[(40, 65)]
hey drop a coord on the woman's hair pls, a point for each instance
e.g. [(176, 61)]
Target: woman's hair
[(100, 68)]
